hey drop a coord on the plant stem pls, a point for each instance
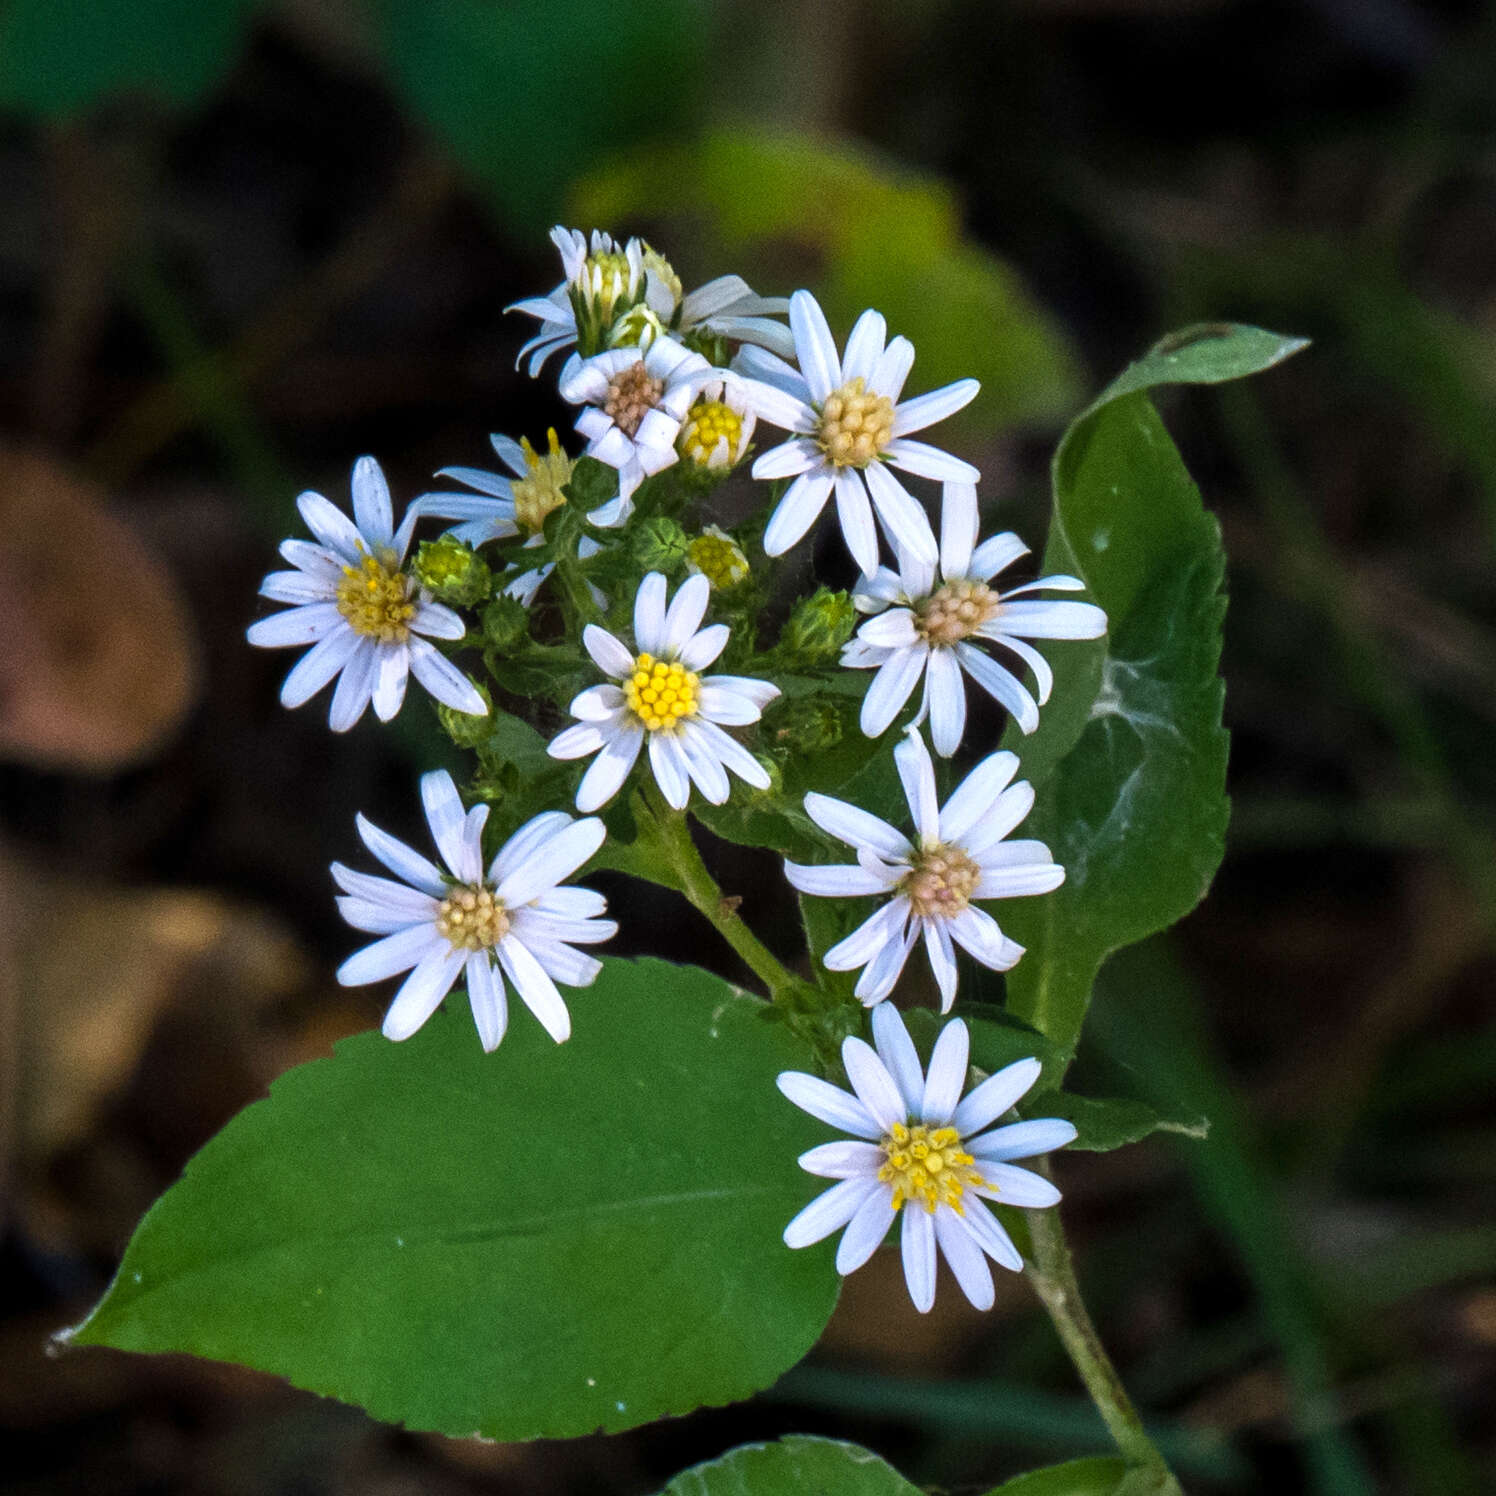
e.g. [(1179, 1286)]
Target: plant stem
[(701, 889), (1053, 1276)]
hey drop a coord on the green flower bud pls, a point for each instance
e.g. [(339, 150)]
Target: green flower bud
[(659, 544), (805, 724), (451, 573), (464, 730), (818, 627), (505, 623)]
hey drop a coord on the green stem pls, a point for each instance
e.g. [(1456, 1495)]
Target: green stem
[(673, 837), (1053, 1276), (574, 588)]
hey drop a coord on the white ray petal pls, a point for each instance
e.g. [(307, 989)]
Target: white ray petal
[(829, 1211), (965, 1257), (487, 1000), (975, 795), (422, 992), (865, 1231), (297, 626), (876, 1089), (857, 827), (1022, 1139), (798, 510), (925, 410), (898, 1053), (828, 1103), (917, 1246), (815, 349)]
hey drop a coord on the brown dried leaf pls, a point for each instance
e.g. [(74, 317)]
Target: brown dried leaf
[(97, 665)]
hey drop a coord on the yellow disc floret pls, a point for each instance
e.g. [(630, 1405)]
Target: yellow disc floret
[(712, 436), (375, 598), (941, 882), (855, 426), (471, 918), (661, 694), (927, 1164), (539, 491), (717, 557)]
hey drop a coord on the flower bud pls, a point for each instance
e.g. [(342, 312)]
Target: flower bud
[(805, 725), (451, 573), (659, 544), (505, 623), (715, 555), (464, 730), (818, 626)]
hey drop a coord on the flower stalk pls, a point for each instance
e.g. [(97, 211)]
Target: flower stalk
[(670, 834), (1052, 1272)]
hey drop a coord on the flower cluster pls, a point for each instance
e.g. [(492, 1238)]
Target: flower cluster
[(573, 581)]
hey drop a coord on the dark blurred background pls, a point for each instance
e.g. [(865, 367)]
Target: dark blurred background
[(242, 243)]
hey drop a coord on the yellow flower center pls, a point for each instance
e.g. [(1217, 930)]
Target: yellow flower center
[(539, 491), (708, 424), (632, 394), (375, 598), (471, 918), (941, 882), (955, 611), (855, 426), (660, 695), (927, 1164), (718, 558)]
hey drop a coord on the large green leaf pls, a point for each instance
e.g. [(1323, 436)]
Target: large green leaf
[(528, 94), (543, 1241), (1098, 1476), (1129, 758), (59, 57), (797, 1465), (879, 235)]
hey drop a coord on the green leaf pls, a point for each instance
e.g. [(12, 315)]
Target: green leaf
[(543, 1241), (1104, 1123), (500, 84), (1129, 759), (998, 1039), (60, 57), (878, 234), (1098, 1476), (797, 1465)]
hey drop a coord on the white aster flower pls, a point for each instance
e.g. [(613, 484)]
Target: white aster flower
[(614, 293), (635, 403), (513, 921), (503, 507), (361, 612), (958, 855), (661, 697), (929, 628), (851, 430), (920, 1145)]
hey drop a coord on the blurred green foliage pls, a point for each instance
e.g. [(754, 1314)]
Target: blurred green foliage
[(864, 231), (59, 58)]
